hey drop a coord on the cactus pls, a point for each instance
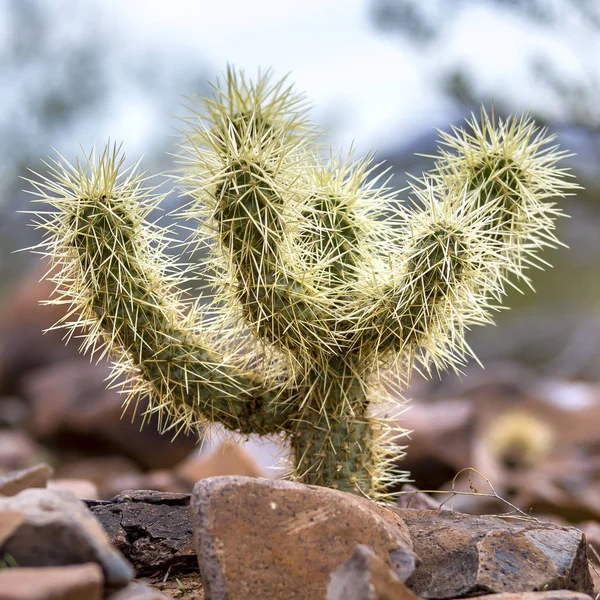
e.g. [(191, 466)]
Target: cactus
[(321, 282)]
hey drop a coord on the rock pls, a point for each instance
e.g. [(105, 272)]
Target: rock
[(274, 539), (17, 451), (366, 577), (9, 523), (463, 555), (57, 530), (80, 488), (23, 343), (73, 582), (70, 403), (34, 477), (101, 471), (228, 459), (13, 414), (553, 595), (139, 591), (152, 529)]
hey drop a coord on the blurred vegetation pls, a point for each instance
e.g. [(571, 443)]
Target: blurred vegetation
[(65, 80), (559, 327)]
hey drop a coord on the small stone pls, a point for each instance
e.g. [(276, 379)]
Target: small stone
[(80, 488), (57, 530), (258, 538), (463, 555), (366, 577), (553, 595), (228, 459), (152, 529), (74, 582), (9, 523), (34, 477), (17, 450)]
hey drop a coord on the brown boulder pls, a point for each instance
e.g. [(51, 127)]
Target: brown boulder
[(463, 555), (278, 539), (73, 582)]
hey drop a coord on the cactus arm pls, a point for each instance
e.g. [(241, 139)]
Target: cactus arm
[(112, 271)]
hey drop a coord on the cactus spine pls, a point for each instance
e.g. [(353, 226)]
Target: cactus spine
[(320, 281)]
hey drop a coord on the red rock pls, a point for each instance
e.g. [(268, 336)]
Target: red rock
[(17, 451), (73, 582), (259, 538)]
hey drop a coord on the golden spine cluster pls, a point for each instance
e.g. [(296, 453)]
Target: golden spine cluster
[(319, 279)]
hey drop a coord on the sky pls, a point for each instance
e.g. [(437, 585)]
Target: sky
[(371, 88)]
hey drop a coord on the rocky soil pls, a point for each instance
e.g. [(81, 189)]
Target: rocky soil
[(94, 506)]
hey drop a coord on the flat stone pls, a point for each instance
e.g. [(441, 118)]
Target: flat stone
[(259, 538), (464, 555), (74, 582), (553, 595), (366, 577), (16, 481), (58, 530), (152, 529)]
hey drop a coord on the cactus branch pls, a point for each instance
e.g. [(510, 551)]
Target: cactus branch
[(320, 280)]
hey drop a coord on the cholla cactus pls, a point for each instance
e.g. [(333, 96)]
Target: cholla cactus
[(321, 281)]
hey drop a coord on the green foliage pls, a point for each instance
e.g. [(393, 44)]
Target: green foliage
[(322, 285)]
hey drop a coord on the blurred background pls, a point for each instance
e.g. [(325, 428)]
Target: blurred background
[(383, 75)]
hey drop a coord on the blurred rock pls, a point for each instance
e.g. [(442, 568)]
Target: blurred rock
[(13, 411), (366, 577), (80, 488), (440, 440), (412, 497), (23, 343), (463, 555), (152, 529), (75, 582), (70, 402), (159, 481), (228, 459), (138, 591), (59, 530), (17, 451), (9, 523), (100, 470), (16, 481), (294, 536)]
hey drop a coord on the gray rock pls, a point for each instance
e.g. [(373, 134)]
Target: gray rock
[(57, 530), (464, 555), (366, 577), (74, 582)]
